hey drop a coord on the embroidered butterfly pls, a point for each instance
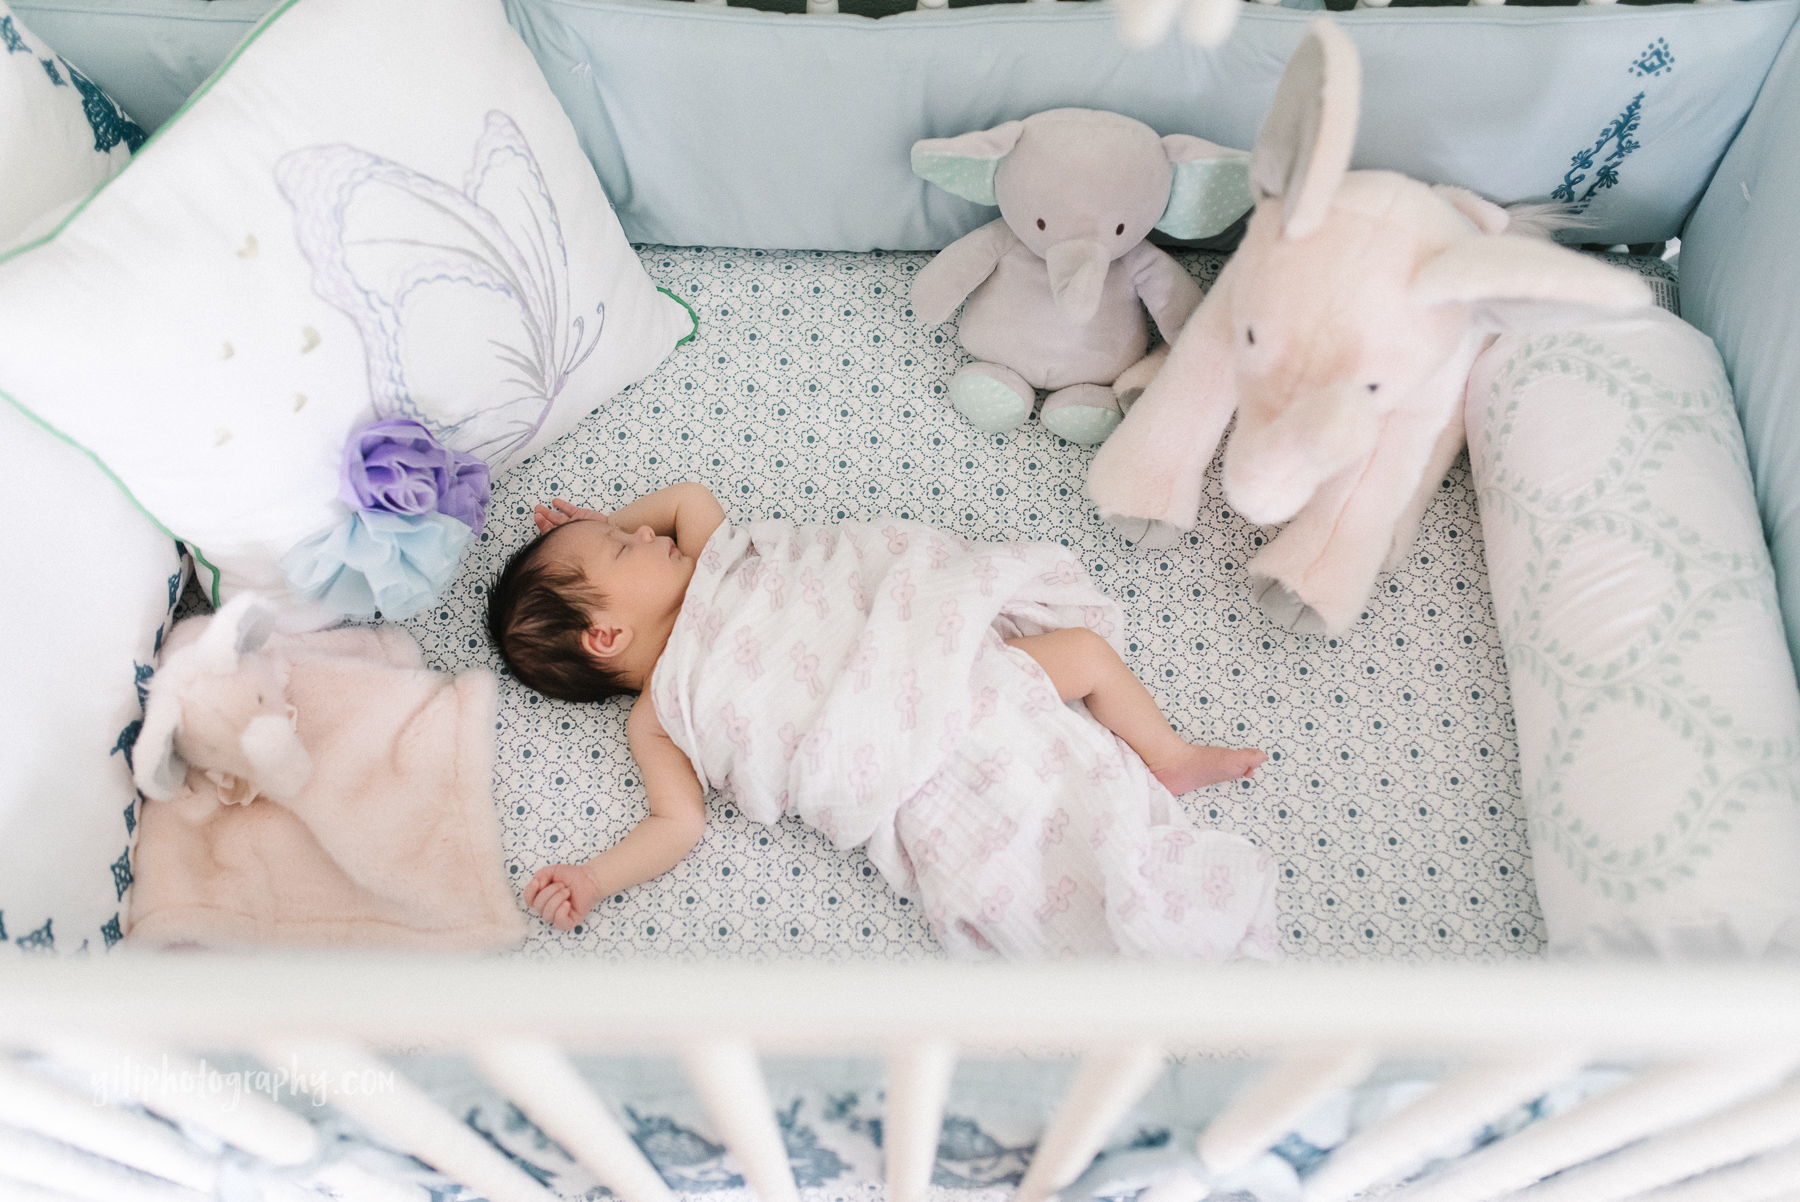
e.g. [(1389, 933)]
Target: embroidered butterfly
[(461, 297)]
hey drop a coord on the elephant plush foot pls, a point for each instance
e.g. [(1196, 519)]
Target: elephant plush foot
[(992, 397), (1284, 606), (1082, 413), (1148, 533)]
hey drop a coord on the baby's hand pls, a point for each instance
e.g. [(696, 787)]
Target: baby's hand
[(561, 511), (562, 894)]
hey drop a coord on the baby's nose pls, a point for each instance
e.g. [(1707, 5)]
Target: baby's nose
[(645, 534)]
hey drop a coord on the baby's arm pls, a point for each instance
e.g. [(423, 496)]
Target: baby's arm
[(564, 893), (687, 512), (1083, 665)]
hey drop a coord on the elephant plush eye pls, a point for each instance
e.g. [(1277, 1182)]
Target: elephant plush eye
[(1040, 223), (1121, 228)]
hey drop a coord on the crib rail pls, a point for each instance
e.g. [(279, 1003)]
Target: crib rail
[(1716, 1045)]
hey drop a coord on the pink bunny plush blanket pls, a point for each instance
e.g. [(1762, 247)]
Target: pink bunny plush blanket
[(391, 842), (856, 676)]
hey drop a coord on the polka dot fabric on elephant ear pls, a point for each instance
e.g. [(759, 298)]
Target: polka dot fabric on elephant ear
[(1389, 802)]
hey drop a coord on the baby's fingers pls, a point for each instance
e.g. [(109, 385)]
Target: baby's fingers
[(553, 896)]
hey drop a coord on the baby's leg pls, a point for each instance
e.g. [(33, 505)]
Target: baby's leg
[(1082, 664)]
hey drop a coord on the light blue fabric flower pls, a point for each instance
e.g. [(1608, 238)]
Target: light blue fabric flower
[(372, 561)]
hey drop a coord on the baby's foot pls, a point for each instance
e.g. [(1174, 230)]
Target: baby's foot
[(1196, 767), (562, 894)]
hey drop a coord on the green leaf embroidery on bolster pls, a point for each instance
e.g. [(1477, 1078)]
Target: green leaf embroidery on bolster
[(1648, 676)]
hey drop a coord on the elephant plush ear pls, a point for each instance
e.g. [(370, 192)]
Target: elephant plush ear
[(964, 166), (1303, 149), (1211, 188), (1525, 285)]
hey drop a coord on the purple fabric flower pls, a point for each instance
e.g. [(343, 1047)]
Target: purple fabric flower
[(398, 466)]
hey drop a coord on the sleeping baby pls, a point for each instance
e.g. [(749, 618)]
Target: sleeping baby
[(958, 709)]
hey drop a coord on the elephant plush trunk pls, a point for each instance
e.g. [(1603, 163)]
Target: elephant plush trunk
[(1078, 270), (278, 761), (1273, 466)]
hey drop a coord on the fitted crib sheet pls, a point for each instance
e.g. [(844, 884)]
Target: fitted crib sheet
[(1390, 799)]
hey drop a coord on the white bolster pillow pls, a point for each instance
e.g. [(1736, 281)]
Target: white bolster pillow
[(1658, 720)]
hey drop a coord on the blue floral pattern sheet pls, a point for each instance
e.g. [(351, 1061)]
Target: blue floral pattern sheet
[(1391, 797)]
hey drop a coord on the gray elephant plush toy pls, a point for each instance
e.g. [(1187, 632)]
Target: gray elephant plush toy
[(1056, 289)]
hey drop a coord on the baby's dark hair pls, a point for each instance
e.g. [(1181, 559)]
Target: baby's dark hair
[(537, 613)]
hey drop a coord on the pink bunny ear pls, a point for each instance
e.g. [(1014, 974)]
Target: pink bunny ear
[(1303, 149), (156, 767)]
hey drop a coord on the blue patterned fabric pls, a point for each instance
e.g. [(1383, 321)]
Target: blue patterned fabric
[(628, 71)]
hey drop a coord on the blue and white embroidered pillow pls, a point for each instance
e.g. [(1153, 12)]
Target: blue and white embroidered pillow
[(60, 135), (290, 259)]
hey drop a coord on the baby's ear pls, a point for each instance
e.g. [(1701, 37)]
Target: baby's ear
[(604, 641)]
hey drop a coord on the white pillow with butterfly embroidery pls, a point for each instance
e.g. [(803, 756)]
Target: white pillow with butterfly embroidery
[(376, 209)]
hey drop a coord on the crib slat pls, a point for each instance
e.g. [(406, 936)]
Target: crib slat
[(1461, 1103), (730, 1083), (918, 1085), (1729, 1136), (176, 1087), (48, 1164), (31, 1101), (14, 1190), (1655, 1100), (1108, 1085), (400, 1114), (1270, 1107), (1774, 1177), (538, 1078)]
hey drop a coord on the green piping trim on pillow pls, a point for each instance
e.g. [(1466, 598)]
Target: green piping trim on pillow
[(200, 91), (167, 533), (692, 316)]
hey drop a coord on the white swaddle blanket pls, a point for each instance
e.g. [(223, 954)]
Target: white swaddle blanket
[(855, 675)]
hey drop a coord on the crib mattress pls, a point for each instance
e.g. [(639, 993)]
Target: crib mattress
[(1390, 800)]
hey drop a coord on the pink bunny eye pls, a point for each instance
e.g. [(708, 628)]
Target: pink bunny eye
[(1250, 335), (1373, 387)]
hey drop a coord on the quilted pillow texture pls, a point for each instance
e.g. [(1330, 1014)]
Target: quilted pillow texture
[(60, 135), (375, 209), (1658, 721)]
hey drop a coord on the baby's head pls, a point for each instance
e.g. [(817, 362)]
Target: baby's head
[(582, 611)]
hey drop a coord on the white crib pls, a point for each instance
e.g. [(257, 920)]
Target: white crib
[(1706, 1106)]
